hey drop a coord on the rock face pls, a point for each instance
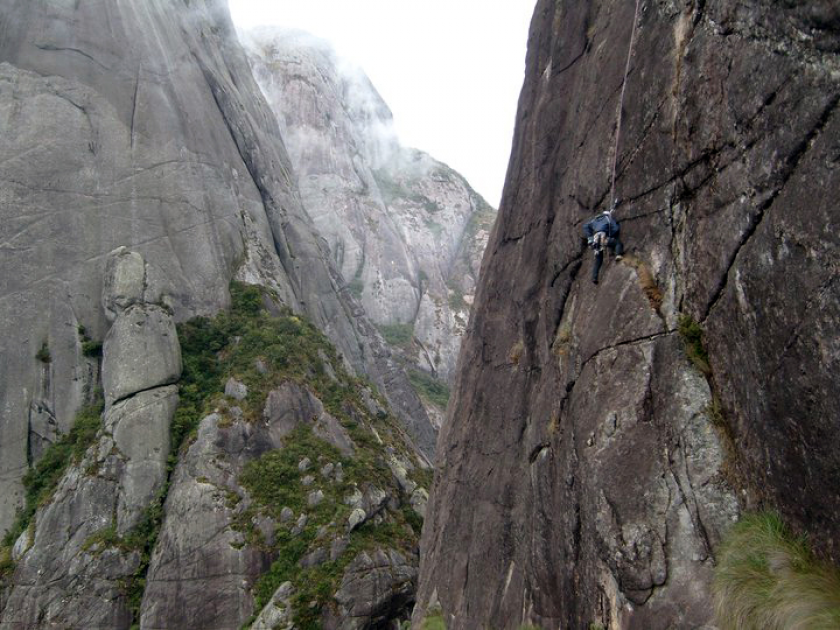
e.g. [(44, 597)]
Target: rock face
[(406, 231), (69, 574), (139, 124), (263, 523), (587, 470)]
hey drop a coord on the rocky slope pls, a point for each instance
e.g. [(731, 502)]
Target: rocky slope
[(139, 124), (589, 466), (291, 493), (406, 231)]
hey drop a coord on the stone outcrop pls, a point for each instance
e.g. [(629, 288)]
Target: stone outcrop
[(406, 231), (376, 587), (588, 468), (221, 540), (139, 124), (69, 572)]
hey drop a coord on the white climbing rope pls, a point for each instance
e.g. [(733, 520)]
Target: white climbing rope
[(621, 103)]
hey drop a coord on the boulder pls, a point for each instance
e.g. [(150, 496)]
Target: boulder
[(140, 352), (124, 283), (277, 613), (376, 586)]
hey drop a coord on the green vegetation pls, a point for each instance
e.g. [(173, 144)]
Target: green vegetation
[(393, 189), (456, 299), (43, 354), (429, 388), (398, 335), (42, 479), (263, 351), (90, 348), (692, 335), (288, 348), (768, 579), (433, 621)]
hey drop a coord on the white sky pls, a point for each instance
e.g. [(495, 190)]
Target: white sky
[(450, 70)]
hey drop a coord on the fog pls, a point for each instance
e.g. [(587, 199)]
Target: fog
[(450, 71)]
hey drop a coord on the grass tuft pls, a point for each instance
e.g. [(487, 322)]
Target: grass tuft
[(692, 335), (768, 579), (433, 621), (647, 282)]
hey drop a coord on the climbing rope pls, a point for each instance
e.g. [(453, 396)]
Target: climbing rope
[(621, 102)]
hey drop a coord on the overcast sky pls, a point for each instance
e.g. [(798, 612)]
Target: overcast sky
[(450, 70)]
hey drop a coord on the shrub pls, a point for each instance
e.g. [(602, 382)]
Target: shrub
[(91, 348), (428, 387), (42, 479), (692, 335), (43, 355), (768, 579)]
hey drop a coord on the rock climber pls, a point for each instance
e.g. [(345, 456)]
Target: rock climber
[(602, 231)]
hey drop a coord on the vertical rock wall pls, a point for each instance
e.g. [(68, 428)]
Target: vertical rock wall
[(587, 470), (139, 124), (67, 574), (406, 231)]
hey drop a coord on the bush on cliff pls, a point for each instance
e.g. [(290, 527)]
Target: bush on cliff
[(768, 579)]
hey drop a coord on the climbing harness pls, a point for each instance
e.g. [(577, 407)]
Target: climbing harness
[(621, 101), (599, 242)]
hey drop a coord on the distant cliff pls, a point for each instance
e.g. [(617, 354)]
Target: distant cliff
[(602, 439), (406, 231)]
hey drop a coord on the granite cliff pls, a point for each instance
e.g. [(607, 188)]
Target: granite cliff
[(407, 231), (140, 125), (602, 439), (148, 419)]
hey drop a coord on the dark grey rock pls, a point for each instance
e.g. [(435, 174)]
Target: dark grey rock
[(581, 477), (289, 405), (152, 135), (376, 587), (315, 558)]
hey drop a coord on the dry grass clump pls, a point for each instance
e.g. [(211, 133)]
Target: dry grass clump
[(768, 579), (646, 281)]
